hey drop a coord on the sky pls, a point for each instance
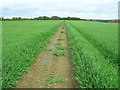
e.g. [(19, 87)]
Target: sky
[(86, 9)]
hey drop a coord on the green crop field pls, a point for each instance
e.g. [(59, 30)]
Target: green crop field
[(22, 41), (93, 48)]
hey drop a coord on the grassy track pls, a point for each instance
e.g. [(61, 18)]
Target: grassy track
[(91, 67), (22, 41)]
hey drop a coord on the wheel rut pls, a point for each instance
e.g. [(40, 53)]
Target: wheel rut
[(49, 70)]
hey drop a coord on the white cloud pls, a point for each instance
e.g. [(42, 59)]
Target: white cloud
[(103, 9)]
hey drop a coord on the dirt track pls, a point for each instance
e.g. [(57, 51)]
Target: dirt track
[(49, 66)]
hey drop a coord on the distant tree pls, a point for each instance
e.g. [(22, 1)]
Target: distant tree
[(35, 18), (45, 18), (55, 18), (16, 18), (64, 18), (39, 18), (91, 20), (19, 18), (13, 18), (31, 18), (70, 18)]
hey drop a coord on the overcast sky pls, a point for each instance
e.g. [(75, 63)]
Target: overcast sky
[(94, 9)]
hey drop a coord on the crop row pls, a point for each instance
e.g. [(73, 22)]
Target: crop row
[(22, 41), (103, 36), (91, 67)]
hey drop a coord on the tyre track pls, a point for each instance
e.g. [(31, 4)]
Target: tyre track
[(49, 66)]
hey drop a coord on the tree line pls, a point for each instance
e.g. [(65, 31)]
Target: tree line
[(41, 18), (56, 18)]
